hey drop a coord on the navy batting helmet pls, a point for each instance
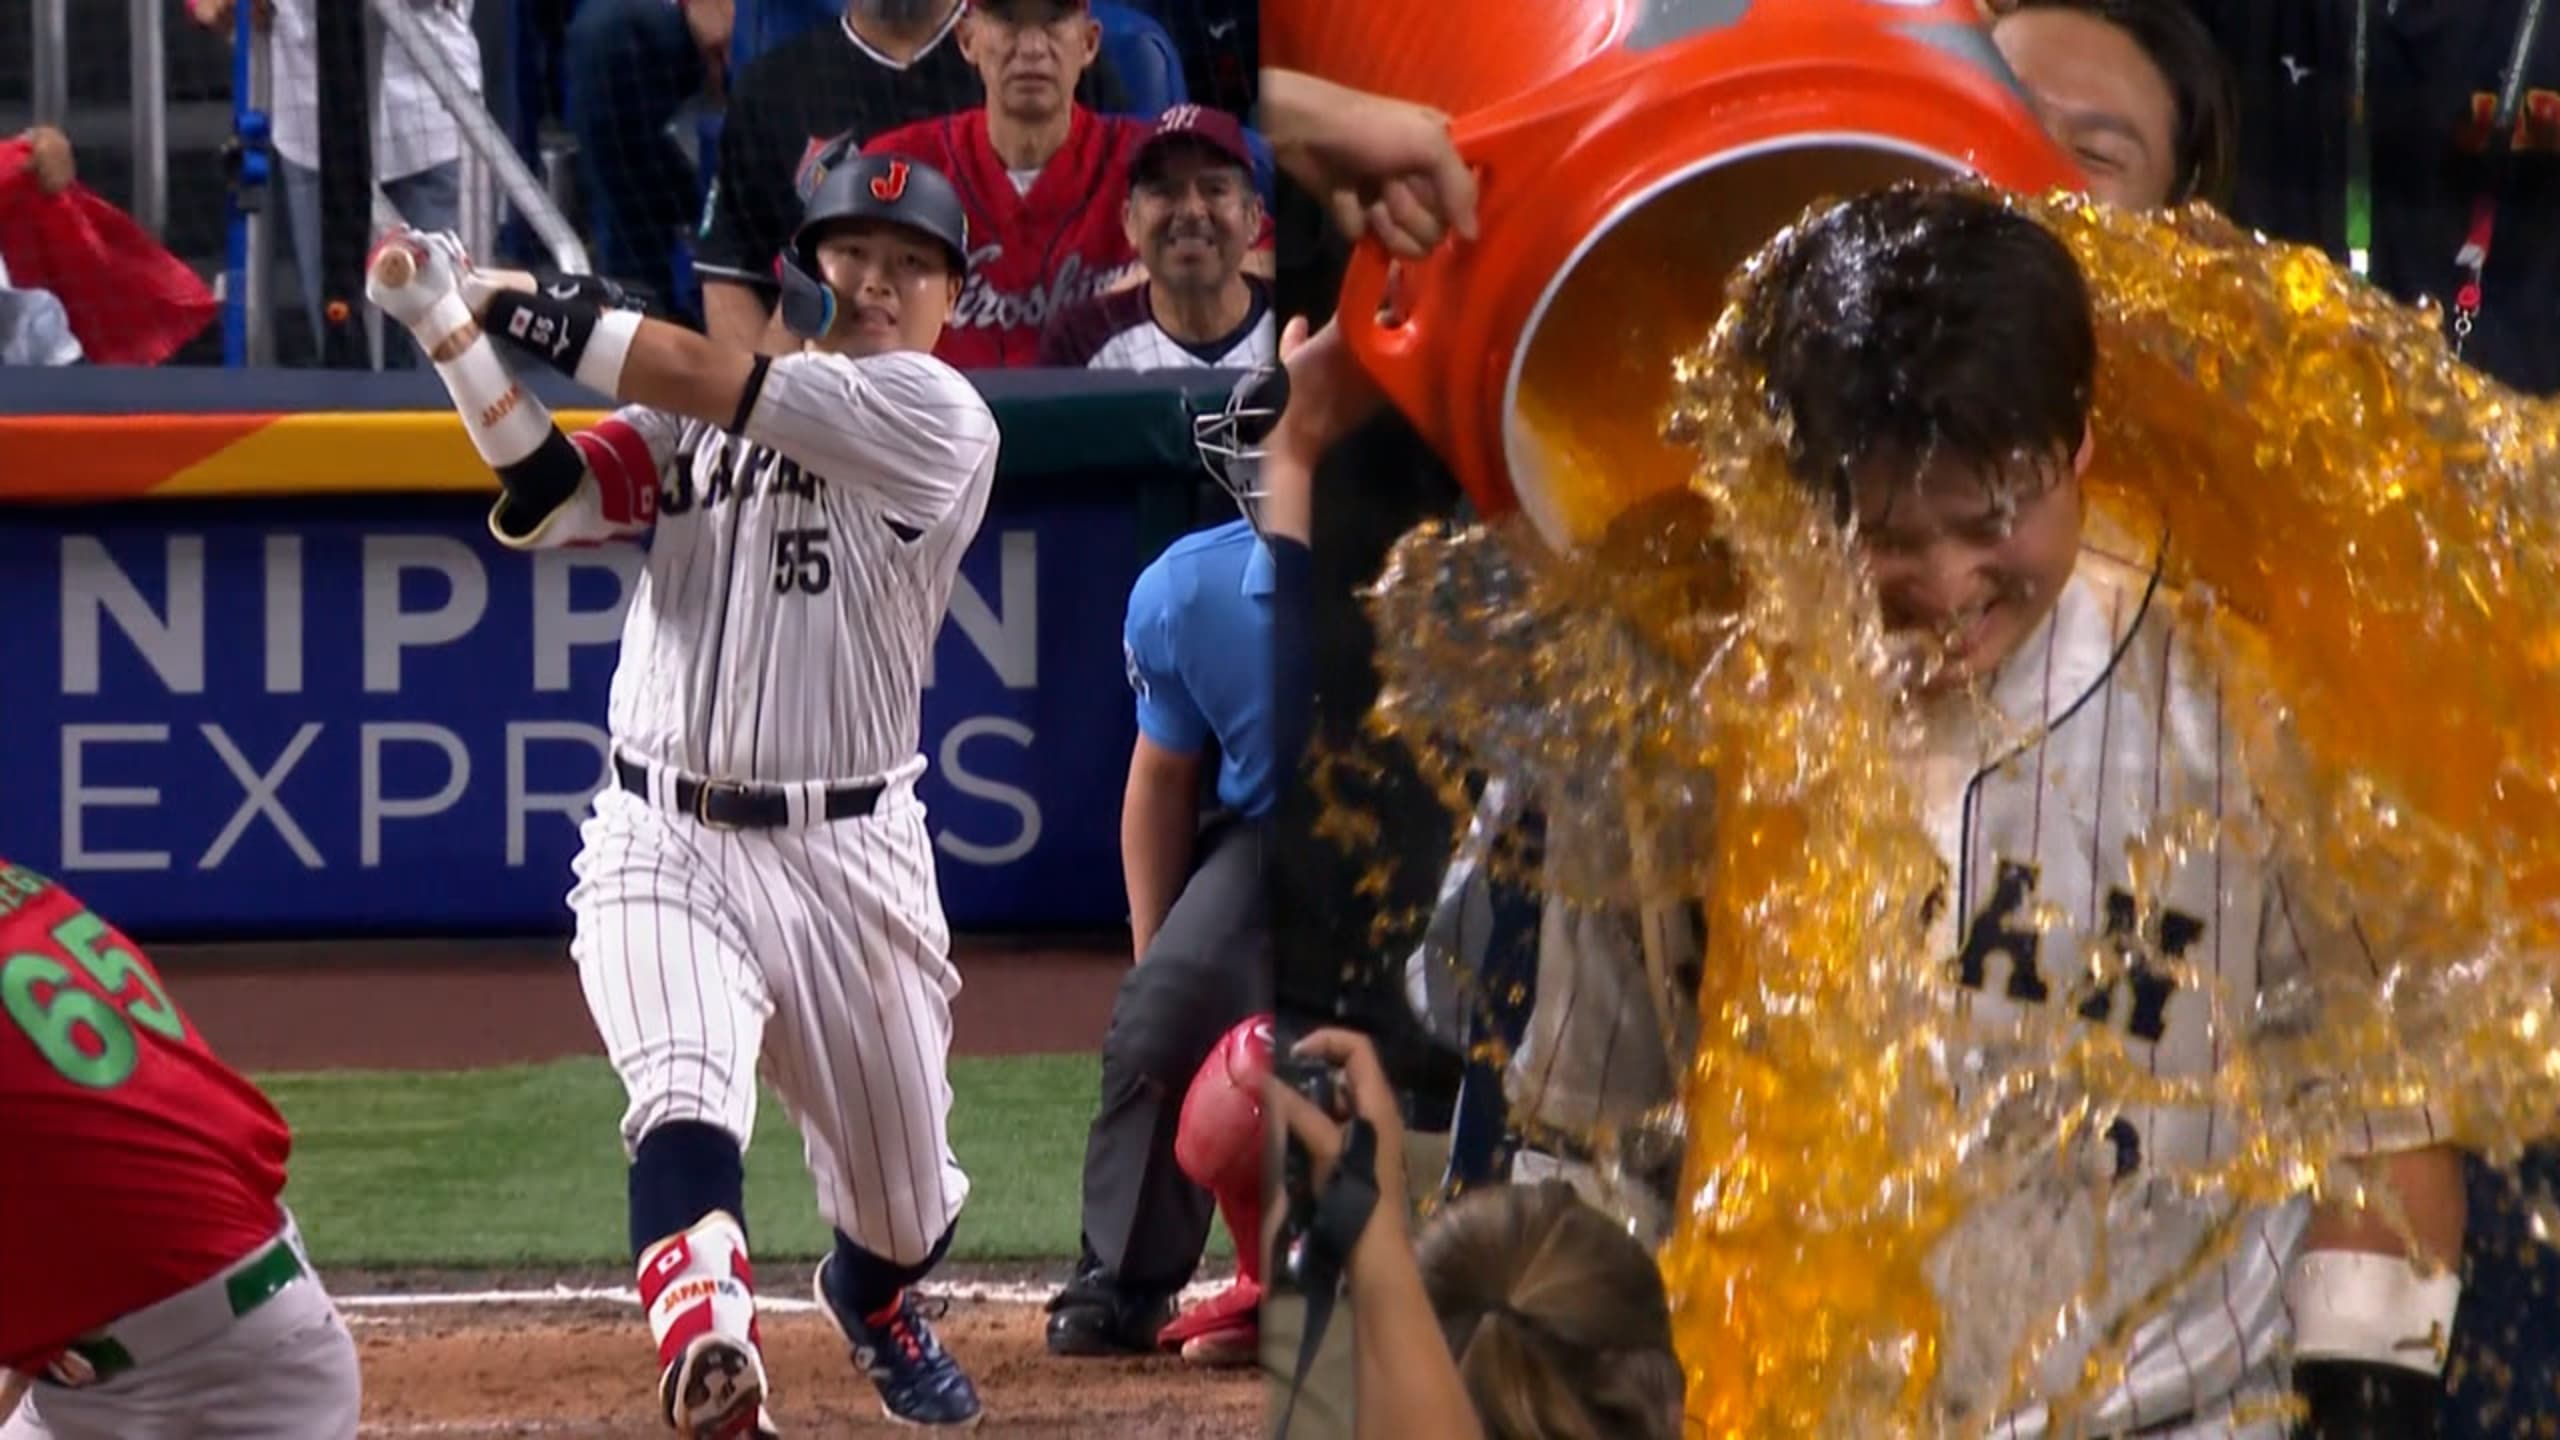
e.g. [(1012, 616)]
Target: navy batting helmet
[(838, 182)]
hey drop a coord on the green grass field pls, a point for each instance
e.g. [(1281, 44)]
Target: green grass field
[(524, 1166)]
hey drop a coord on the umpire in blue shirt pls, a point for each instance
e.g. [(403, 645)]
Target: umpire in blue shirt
[(1203, 781)]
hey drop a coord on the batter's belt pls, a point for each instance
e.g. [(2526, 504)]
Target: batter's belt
[(186, 1319), (745, 805)]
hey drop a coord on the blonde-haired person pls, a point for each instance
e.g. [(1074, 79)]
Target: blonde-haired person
[(1522, 1314)]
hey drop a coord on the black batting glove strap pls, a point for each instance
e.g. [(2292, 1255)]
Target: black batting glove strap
[(2359, 1400), (552, 330), (540, 483), (594, 290)]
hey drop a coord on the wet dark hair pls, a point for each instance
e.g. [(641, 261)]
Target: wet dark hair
[(1919, 323), (2204, 139), (1556, 1315)]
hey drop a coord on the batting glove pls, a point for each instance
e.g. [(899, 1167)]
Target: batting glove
[(439, 264)]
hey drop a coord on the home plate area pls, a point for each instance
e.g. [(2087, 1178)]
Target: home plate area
[(559, 1361)]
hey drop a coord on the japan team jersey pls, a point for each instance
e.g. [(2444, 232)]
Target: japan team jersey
[(2101, 732), (138, 1164), (798, 572), (1033, 253)]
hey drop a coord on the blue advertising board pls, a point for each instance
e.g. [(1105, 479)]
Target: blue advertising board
[(364, 717)]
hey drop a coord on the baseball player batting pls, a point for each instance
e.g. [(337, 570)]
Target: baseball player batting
[(2067, 719), (756, 885), (151, 1285)]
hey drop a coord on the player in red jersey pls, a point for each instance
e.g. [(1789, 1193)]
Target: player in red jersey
[(1042, 176), (151, 1285)]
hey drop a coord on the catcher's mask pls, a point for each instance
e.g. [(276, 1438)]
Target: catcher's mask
[(1230, 439)]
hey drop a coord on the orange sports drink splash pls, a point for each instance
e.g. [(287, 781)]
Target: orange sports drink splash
[(1632, 153)]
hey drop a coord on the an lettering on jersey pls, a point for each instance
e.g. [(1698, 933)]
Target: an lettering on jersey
[(739, 472), (984, 307), (2002, 928), (2172, 933)]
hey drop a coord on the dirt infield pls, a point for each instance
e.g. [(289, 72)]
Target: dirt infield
[(583, 1373), (460, 1005), (584, 1369)]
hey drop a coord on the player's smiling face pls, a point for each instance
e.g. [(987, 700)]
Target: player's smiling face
[(1192, 213), (1967, 562), (894, 288)]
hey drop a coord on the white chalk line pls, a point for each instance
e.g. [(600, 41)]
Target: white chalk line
[(384, 1310), (974, 1293), (387, 1431)]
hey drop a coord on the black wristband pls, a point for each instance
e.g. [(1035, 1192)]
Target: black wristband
[(2359, 1400), (595, 290), (538, 484), (551, 330)]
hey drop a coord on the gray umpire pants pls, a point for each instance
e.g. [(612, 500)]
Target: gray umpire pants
[(1207, 968)]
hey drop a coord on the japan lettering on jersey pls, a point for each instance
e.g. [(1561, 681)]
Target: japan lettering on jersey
[(1036, 253), (2109, 738), (798, 572), (2109, 730), (139, 1163)]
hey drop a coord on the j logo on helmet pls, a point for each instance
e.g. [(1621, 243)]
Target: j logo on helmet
[(890, 183)]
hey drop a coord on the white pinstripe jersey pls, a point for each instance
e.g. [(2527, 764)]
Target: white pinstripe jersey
[(798, 573), (2109, 727)]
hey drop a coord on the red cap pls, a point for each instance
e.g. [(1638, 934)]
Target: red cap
[(1216, 129)]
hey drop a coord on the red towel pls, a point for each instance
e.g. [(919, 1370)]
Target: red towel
[(131, 302)]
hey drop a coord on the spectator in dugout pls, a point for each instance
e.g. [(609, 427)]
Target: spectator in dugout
[(886, 64), (1040, 172), (1192, 213)]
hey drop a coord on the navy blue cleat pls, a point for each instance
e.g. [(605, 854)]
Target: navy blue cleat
[(919, 1382)]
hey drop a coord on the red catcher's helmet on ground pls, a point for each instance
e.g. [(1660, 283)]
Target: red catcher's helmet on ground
[(836, 183)]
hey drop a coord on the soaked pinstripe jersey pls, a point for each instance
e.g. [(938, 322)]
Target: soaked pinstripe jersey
[(2097, 738), (2100, 733), (798, 573)]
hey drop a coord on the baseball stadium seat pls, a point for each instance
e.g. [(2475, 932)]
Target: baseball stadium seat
[(1143, 53), (760, 25)]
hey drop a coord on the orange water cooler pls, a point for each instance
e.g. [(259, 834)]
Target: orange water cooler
[(1632, 152)]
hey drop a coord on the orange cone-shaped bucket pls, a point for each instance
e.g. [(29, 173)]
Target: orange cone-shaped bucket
[(1620, 192)]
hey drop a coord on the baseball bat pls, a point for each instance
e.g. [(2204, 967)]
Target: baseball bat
[(395, 266)]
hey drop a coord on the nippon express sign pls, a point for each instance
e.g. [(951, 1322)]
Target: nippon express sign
[(343, 718)]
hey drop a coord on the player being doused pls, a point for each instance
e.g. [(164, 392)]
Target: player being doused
[(1934, 353), (756, 887)]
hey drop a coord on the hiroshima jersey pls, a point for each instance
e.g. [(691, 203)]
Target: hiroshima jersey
[(1032, 253)]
